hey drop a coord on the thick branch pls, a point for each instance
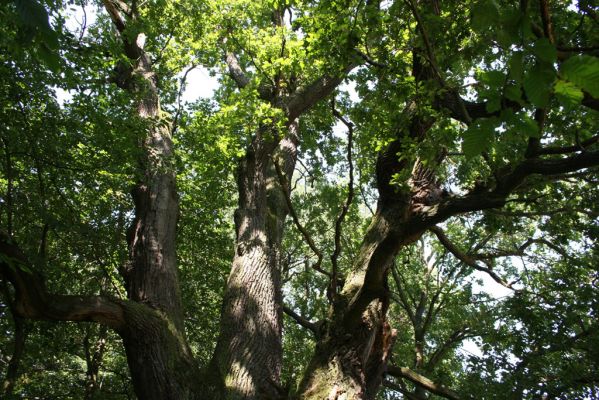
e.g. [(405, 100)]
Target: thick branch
[(235, 71), (301, 320), (306, 96), (422, 381), (487, 197), (569, 149), (33, 301), (112, 7)]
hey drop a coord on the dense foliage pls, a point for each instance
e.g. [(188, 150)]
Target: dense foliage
[(479, 118)]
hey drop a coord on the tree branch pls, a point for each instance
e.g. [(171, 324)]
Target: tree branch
[(235, 71), (33, 301), (494, 197), (465, 258), (112, 7), (306, 235), (568, 149), (546, 17), (306, 96), (348, 201), (301, 320), (456, 337), (422, 381)]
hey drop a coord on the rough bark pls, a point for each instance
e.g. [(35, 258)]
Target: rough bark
[(248, 357), (151, 321), (161, 363), (351, 357), (12, 370), (248, 354)]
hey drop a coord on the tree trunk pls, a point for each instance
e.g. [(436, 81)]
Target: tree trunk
[(93, 360), (160, 360), (351, 357), (159, 357), (248, 357), (12, 371)]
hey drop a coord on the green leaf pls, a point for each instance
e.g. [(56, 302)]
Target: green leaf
[(33, 14), (493, 104), (516, 66), (584, 72), (513, 93), (526, 125), (477, 138), (493, 78), (484, 15), (568, 94), (545, 51), (538, 84)]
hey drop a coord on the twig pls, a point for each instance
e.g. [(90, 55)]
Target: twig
[(348, 201), (467, 259), (182, 84), (306, 235)]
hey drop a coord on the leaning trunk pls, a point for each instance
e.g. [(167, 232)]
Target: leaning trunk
[(351, 357)]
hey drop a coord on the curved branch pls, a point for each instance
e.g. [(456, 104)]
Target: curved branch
[(569, 149), (33, 301), (306, 96), (312, 326), (465, 258), (422, 381), (306, 235), (494, 197)]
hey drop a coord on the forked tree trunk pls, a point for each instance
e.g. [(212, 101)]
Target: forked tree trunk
[(351, 357)]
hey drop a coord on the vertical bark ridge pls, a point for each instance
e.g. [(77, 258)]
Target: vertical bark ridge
[(161, 363), (152, 272), (249, 354)]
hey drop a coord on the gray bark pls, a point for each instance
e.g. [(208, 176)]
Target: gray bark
[(248, 356)]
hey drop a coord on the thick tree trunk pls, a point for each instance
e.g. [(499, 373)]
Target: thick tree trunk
[(160, 360), (161, 363), (248, 357), (351, 357)]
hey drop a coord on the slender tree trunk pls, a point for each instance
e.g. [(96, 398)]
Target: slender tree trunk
[(12, 371), (248, 355), (94, 353)]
